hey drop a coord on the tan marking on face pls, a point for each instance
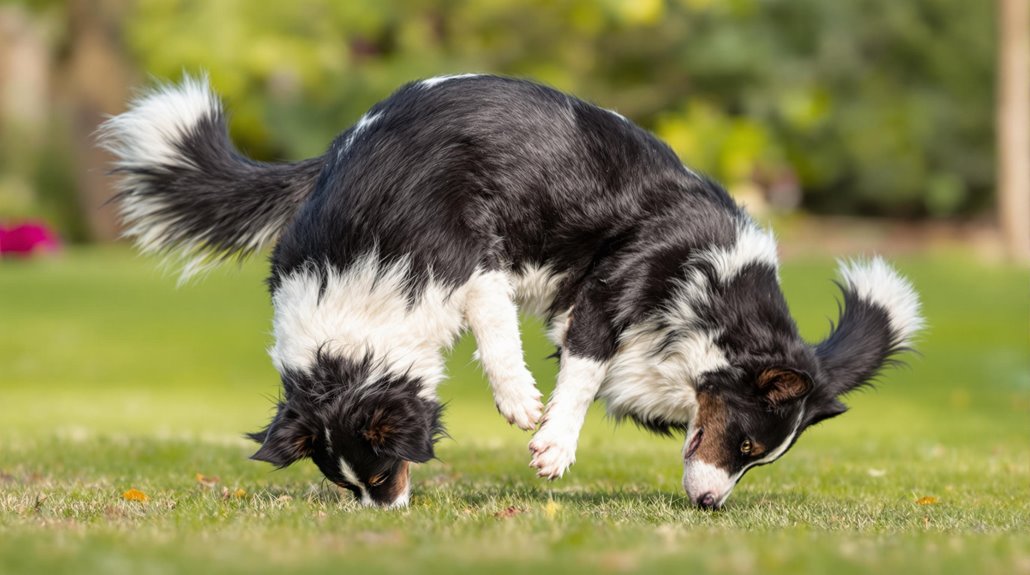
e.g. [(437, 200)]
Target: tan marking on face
[(398, 482), (713, 419), (757, 449)]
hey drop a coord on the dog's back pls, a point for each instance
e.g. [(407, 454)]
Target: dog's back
[(488, 172)]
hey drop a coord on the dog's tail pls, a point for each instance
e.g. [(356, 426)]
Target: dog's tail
[(185, 188), (880, 316)]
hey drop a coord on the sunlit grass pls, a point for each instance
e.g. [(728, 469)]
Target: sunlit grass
[(111, 379)]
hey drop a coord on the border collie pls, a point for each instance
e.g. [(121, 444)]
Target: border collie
[(454, 204)]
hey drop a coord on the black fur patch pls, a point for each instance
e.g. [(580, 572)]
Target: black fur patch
[(860, 345)]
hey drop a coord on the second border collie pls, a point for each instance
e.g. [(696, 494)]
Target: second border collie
[(458, 202)]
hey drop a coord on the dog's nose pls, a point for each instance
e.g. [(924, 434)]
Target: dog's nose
[(706, 501)]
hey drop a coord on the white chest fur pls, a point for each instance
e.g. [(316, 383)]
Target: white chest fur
[(363, 310)]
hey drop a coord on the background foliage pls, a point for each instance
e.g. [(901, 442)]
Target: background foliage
[(869, 107)]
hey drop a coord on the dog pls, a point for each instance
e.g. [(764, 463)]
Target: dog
[(456, 203)]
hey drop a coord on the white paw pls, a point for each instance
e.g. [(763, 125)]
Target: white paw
[(553, 453), (520, 403)]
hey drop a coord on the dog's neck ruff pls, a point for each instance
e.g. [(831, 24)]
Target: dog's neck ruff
[(661, 361), (366, 311)]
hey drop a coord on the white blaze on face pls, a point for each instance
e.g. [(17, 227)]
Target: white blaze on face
[(348, 473)]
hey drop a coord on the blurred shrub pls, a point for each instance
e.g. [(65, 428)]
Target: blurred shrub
[(870, 106)]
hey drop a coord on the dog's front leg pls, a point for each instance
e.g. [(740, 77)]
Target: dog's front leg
[(554, 446), (589, 345), (494, 320)]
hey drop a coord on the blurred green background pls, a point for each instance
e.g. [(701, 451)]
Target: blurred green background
[(857, 107), (851, 126)]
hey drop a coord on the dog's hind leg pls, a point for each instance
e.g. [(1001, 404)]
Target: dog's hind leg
[(588, 345), (493, 317)]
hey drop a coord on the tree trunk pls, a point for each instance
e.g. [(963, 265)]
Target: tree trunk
[(95, 83), (1014, 126)]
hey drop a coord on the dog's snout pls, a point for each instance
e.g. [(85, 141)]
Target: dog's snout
[(707, 501)]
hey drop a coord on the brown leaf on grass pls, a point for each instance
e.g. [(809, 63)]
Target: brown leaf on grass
[(926, 500), (207, 480), (509, 512), (134, 495)]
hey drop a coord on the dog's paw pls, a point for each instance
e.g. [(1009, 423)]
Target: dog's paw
[(520, 403), (552, 453)]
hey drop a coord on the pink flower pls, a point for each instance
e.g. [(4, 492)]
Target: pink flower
[(28, 239)]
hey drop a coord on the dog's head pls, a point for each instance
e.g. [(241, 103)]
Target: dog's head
[(772, 386), (362, 430)]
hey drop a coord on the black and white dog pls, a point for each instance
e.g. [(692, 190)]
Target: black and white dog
[(458, 202)]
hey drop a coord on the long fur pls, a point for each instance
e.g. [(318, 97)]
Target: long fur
[(184, 187)]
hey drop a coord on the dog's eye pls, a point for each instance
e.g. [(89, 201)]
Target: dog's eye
[(377, 480), (745, 447)]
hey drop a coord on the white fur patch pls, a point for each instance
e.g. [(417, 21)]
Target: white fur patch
[(559, 327), (348, 473), (692, 173), (659, 387), (535, 288), (618, 115), (363, 123), (365, 309), (700, 478), (554, 445), (404, 498), (753, 245), (430, 82), (875, 281), (148, 133), (494, 320)]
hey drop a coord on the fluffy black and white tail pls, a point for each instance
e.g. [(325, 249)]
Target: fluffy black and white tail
[(186, 190), (879, 318)]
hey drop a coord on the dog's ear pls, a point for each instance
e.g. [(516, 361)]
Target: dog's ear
[(820, 409), (781, 385), (404, 427), (286, 439)]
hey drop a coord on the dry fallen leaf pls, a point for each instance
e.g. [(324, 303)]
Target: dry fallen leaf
[(926, 500), (134, 495), (509, 512), (207, 480)]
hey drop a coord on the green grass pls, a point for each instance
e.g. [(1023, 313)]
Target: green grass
[(111, 378)]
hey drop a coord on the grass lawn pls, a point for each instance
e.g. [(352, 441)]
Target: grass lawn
[(111, 379)]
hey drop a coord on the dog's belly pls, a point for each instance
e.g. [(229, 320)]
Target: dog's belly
[(535, 289)]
